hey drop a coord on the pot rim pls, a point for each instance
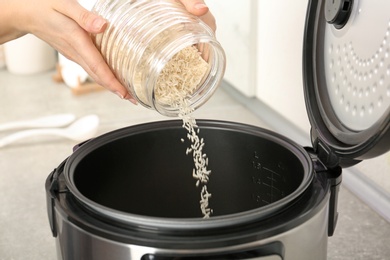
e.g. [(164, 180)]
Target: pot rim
[(150, 222)]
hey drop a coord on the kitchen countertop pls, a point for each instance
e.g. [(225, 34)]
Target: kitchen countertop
[(25, 165)]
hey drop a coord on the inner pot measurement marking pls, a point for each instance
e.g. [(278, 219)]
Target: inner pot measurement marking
[(268, 180)]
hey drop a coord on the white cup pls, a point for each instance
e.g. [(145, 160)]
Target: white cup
[(29, 55)]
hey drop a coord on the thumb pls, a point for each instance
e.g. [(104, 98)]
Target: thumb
[(89, 21), (196, 7)]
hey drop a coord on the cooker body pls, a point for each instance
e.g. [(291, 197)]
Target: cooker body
[(307, 241), (130, 194)]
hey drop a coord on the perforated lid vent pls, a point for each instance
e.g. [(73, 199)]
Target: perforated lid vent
[(357, 67)]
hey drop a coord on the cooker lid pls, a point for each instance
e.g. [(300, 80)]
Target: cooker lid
[(346, 73)]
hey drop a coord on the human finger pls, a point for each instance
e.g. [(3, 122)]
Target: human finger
[(196, 7), (199, 8), (98, 69), (209, 19), (82, 51), (87, 20)]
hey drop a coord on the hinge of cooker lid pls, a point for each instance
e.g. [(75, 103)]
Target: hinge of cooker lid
[(328, 155), (324, 153)]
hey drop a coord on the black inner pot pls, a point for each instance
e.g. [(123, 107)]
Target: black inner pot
[(145, 170)]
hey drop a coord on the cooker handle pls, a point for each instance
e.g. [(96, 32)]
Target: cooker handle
[(334, 177), (271, 251), (77, 146), (53, 187)]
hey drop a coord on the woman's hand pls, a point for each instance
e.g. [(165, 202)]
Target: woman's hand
[(66, 25), (199, 8)]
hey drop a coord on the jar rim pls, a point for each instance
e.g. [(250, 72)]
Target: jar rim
[(209, 82)]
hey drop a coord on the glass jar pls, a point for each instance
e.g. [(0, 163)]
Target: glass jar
[(153, 46)]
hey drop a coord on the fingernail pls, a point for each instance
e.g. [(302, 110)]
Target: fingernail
[(200, 6), (119, 94), (99, 23), (132, 100)]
